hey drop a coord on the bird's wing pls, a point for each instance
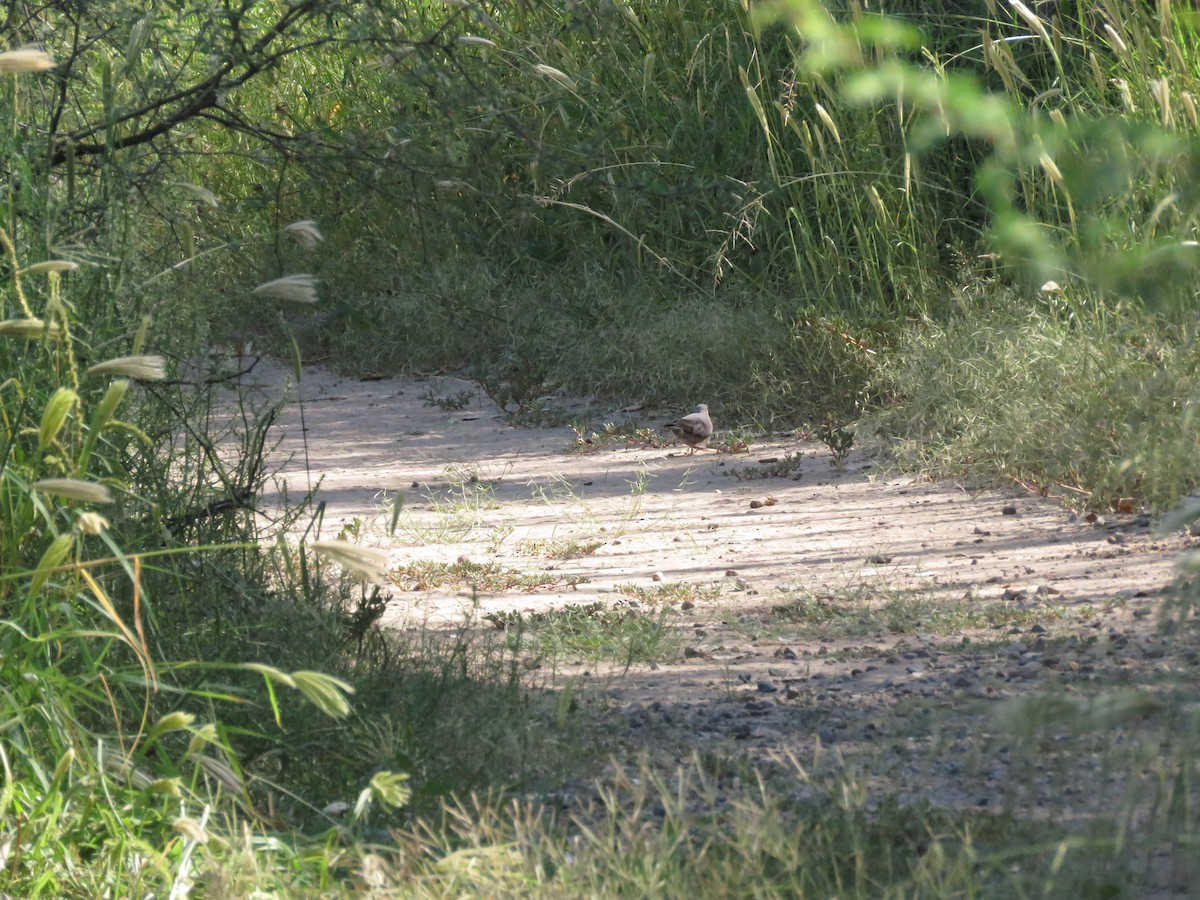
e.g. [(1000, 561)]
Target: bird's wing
[(698, 423)]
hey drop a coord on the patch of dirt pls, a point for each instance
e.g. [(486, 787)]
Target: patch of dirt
[(861, 622)]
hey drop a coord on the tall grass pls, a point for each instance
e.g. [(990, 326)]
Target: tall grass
[(674, 201), (695, 202), (176, 676)]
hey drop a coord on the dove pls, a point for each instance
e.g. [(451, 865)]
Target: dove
[(693, 429)]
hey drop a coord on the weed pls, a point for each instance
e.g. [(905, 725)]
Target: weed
[(838, 438), (735, 440), (609, 434), (461, 400), (540, 414), (871, 610), (670, 593), (497, 536), (452, 515), (593, 631), (557, 548), (784, 467), (489, 577), (718, 826)]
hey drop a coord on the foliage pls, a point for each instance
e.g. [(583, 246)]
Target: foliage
[(793, 211)]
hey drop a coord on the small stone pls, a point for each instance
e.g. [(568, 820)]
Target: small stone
[(1009, 510), (766, 686), (1031, 669)]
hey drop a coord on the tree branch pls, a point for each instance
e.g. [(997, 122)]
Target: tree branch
[(188, 102)]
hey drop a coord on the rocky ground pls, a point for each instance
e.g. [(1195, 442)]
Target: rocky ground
[(972, 648)]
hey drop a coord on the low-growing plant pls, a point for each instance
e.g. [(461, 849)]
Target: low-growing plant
[(556, 548), (732, 440), (670, 592), (865, 609), (1115, 391), (459, 400), (612, 434), (838, 438), (594, 631), (784, 467), (425, 575)]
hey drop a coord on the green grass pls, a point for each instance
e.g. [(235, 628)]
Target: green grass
[(593, 631), (867, 611), (670, 593), (669, 835), (697, 205), (556, 548), (426, 575), (977, 394), (786, 466)]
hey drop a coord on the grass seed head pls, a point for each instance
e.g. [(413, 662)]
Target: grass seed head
[(25, 59), (305, 233), (293, 288), (74, 489), (146, 368)]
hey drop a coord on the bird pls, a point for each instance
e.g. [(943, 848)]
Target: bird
[(693, 429)]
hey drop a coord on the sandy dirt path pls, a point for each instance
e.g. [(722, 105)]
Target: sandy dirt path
[(1068, 601)]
